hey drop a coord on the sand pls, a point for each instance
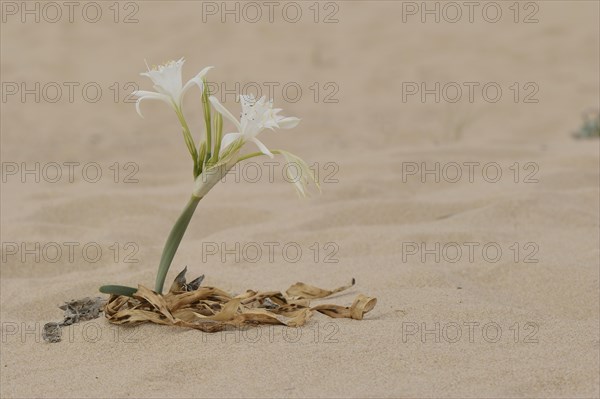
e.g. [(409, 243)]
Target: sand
[(523, 323)]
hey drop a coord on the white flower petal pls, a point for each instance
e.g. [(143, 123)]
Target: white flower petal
[(288, 123), (196, 80), (148, 95), (263, 148), (190, 83), (306, 174), (247, 100), (225, 112), (228, 139), (167, 78), (261, 102), (144, 93), (203, 72)]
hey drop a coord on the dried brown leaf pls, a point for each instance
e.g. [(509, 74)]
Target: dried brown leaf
[(306, 291), (210, 309), (362, 304)]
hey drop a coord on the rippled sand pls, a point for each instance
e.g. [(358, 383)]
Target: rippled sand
[(522, 322)]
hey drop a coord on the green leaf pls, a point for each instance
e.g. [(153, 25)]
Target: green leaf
[(118, 290)]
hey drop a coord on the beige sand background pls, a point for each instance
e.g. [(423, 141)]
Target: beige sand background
[(547, 312)]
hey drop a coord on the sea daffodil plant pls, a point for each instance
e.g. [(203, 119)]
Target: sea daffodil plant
[(217, 153)]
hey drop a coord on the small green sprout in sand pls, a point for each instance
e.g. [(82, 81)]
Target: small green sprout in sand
[(590, 127)]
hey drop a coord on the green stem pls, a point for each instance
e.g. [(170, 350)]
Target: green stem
[(218, 138), (189, 141), (248, 156), (255, 154), (173, 241), (206, 109)]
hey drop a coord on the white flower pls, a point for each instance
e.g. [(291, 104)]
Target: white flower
[(257, 115), (299, 173), (168, 84)]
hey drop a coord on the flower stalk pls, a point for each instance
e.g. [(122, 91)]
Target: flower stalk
[(218, 138), (173, 241), (206, 111), (189, 141)]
